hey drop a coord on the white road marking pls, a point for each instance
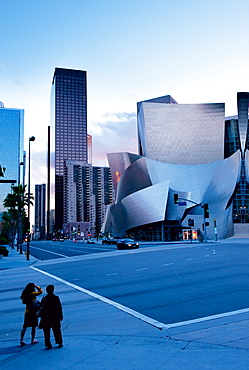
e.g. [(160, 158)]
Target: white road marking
[(145, 268), (207, 318), (136, 314), (45, 250), (119, 306)]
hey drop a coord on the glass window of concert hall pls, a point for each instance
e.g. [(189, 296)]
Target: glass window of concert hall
[(232, 144), (69, 126)]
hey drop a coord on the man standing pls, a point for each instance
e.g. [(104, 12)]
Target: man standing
[(51, 317)]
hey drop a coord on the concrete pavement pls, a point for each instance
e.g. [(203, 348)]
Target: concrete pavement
[(100, 336)]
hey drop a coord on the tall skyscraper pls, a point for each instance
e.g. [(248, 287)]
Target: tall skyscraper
[(69, 125), (40, 210), (11, 144)]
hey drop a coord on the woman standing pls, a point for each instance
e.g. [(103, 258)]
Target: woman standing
[(28, 297)]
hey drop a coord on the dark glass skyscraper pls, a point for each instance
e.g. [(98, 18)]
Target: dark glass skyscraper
[(69, 124)]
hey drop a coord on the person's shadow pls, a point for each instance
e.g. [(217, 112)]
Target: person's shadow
[(12, 349)]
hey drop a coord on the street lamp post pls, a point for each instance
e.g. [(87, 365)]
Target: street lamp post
[(32, 138), (19, 238)]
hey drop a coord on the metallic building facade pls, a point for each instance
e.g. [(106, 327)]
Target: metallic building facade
[(209, 173), (69, 125), (11, 144), (181, 133), (145, 194)]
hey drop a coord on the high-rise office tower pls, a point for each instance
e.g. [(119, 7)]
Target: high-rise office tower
[(88, 191), (69, 125), (11, 144), (40, 210)]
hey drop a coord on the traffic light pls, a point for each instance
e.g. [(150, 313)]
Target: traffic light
[(176, 200), (26, 225), (206, 210), (191, 222)]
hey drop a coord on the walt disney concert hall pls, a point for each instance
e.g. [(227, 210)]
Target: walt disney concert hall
[(190, 178)]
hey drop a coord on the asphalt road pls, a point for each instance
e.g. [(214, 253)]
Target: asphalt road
[(44, 250), (169, 285)]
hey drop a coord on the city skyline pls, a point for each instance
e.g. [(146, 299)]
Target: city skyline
[(131, 51)]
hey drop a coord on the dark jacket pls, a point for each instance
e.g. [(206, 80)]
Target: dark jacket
[(52, 311)]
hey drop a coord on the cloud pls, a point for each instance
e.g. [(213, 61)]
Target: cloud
[(5, 65), (117, 132), (38, 167)]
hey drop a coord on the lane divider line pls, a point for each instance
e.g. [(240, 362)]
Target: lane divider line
[(119, 306), (145, 268), (45, 250)]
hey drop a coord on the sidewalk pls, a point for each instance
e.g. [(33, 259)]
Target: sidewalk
[(99, 336)]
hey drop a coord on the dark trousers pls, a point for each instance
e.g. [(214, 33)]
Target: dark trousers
[(57, 334)]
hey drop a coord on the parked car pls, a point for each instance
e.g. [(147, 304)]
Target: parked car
[(106, 240), (110, 240), (90, 241), (127, 244)]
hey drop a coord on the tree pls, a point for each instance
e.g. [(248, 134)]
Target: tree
[(15, 202)]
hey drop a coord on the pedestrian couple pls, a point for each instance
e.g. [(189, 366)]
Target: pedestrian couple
[(51, 314)]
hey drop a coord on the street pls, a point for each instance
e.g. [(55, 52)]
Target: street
[(169, 283), (44, 250)]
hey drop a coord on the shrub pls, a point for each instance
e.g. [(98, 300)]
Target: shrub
[(4, 251), (3, 239)]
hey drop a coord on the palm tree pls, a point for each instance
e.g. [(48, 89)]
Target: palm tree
[(15, 202)]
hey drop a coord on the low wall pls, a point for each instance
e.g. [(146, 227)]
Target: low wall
[(241, 231)]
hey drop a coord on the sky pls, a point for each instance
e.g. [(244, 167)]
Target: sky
[(194, 50)]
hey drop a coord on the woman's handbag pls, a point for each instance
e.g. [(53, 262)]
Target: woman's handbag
[(37, 304)]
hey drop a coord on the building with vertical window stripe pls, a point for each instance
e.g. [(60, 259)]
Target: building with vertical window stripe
[(87, 192), (69, 126)]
